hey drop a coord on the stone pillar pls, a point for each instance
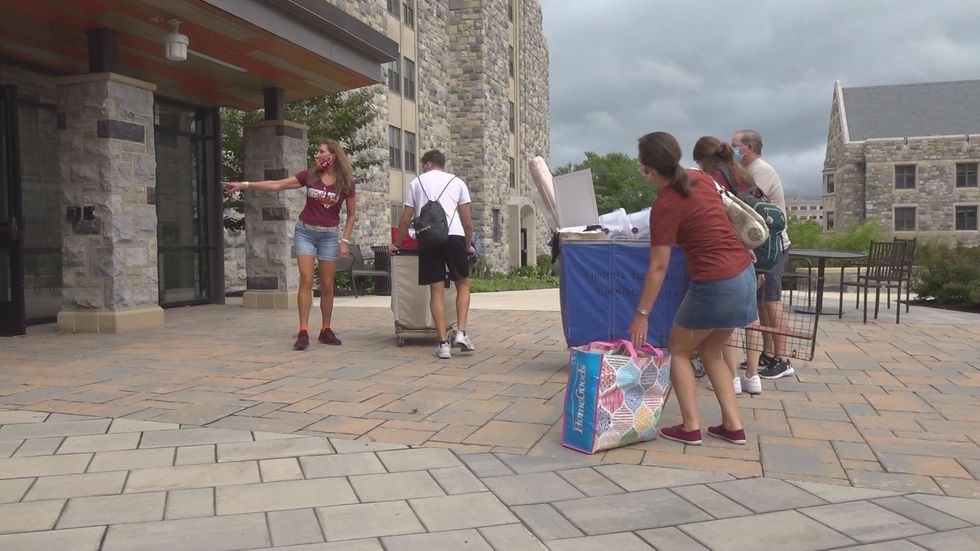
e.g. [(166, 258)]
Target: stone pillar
[(108, 172), (272, 150)]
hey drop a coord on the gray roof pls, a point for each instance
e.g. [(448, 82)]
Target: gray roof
[(907, 110)]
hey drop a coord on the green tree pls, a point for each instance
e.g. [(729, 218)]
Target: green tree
[(617, 181), (342, 116)]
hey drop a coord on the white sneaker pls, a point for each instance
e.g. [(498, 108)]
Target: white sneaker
[(442, 351), (462, 340), (736, 384), (752, 385)]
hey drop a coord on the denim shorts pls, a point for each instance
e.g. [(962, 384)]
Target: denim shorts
[(726, 304), (323, 244)]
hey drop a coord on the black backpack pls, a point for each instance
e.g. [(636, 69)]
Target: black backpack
[(431, 227), (769, 252)]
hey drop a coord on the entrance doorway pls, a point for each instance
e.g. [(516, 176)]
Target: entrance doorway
[(188, 200), (12, 321)]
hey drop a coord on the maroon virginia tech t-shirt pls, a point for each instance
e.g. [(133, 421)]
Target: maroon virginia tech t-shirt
[(322, 202)]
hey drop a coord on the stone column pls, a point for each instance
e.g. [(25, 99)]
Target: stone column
[(108, 172), (273, 150)]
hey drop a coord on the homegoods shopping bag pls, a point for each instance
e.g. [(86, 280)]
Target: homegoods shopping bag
[(615, 395)]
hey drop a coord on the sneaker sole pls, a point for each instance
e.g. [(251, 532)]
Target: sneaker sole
[(688, 442), (465, 348), (436, 354), (726, 439), (788, 371)]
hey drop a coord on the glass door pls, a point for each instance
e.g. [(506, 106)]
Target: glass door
[(186, 190), (12, 320)]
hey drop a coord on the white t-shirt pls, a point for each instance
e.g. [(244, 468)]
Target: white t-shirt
[(768, 181), (434, 181)]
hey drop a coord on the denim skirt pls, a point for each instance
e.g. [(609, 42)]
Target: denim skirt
[(726, 304)]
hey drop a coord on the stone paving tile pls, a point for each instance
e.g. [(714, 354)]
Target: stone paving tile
[(8, 447), (627, 512), (641, 477), (763, 495), (965, 539), (294, 527), (961, 508), (711, 502), (619, 542), (524, 489), (670, 538), (368, 520), (507, 433), (192, 476), (839, 493), (801, 532), (192, 437), (865, 522), (76, 539), (803, 457), (903, 483), (927, 466), (77, 485), (119, 509), (14, 417), (22, 467), (189, 503), (511, 537), (225, 533), (346, 445), (927, 516), (132, 459), (29, 516), (343, 464), (457, 539), (35, 447), (273, 470), (100, 442), (546, 522), (12, 491), (457, 480), (395, 486), (461, 511), (195, 455), (418, 459), (56, 428), (590, 482), (278, 496)]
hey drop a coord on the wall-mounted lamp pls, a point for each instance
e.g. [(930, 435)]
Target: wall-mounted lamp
[(176, 43)]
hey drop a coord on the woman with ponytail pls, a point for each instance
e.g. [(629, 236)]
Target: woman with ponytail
[(721, 297)]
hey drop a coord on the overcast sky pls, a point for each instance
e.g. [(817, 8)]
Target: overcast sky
[(622, 68)]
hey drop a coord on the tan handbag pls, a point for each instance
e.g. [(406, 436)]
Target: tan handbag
[(749, 225)]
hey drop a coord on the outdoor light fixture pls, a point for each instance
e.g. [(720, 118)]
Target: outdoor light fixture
[(176, 43)]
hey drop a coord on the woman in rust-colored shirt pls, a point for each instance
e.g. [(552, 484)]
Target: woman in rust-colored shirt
[(329, 186), (721, 297)]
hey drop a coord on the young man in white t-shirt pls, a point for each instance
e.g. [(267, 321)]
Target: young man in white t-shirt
[(451, 257)]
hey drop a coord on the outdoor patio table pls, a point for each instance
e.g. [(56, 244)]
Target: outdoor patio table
[(822, 255)]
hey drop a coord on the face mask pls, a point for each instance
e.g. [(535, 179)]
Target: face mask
[(325, 163), (738, 155)]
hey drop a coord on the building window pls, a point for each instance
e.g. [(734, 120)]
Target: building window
[(828, 180), (512, 175), (830, 220), (510, 10), (966, 218), (904, 218), (396, 214), (496, 225), (904, 176), (512, 117), (394, 78), (510, 60), (409, 79), (393, 7), (966, 174), (408, 9), (410, 153), (394, 147)]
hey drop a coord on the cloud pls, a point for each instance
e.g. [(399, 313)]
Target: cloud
[(710, 68)]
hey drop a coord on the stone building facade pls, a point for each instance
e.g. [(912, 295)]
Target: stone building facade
[(906, 155), (479, 77)]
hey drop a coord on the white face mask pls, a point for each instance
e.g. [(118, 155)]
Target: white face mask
[(738, 155)]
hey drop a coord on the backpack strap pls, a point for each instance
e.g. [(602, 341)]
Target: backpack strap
[(457, 202)]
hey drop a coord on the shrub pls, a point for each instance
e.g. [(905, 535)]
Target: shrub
[(950, 275)]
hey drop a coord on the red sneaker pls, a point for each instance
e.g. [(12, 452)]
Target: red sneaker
[(678, 434), (733, 436), (327, 336), (302, 341)]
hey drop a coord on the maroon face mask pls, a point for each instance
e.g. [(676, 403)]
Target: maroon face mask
[(325, 163)]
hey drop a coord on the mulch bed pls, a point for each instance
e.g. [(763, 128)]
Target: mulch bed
[(970, 308)]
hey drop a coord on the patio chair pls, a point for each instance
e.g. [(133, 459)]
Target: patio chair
[(360, 269), (793, 280), (883, 268), (907, 263)]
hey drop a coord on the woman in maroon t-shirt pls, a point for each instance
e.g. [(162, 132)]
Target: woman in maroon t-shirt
[(721, 297), (329, 186)]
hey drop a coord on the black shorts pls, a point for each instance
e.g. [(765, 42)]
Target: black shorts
[(451, 257)]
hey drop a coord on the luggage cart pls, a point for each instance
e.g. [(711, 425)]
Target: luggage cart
[(410, 301)]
